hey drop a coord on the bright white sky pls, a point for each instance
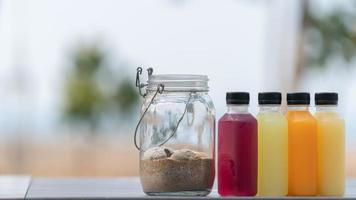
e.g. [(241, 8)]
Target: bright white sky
[(223, 40)]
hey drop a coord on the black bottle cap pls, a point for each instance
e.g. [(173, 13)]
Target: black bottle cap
[(269, 98), (326, 98), (298, 98), (237, 98)]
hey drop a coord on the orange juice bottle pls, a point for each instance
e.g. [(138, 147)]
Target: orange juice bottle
[(331, 145), (302, 146)]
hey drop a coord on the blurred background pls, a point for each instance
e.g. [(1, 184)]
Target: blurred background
[(68, 105)]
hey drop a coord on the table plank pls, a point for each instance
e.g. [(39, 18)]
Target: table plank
[(84, 188), (121, 188), (14, 187)]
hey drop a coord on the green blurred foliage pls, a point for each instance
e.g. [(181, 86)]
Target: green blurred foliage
[(331, 35), (94, 91), (126, 95)]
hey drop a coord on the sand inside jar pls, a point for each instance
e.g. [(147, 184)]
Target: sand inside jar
[(180, 170)]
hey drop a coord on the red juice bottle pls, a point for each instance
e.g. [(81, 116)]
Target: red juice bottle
[(237, 148)]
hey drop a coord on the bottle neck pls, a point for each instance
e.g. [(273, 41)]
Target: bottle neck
[(270, 108), (326, 108), (240, 109), (298, 107)]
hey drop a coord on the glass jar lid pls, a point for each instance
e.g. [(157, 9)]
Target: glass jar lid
[(179, 82)]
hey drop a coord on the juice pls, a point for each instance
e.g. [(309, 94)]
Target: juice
[(302, 154), (237, 155), (237, 149), (331, 154), (272, 147), (331, 146)]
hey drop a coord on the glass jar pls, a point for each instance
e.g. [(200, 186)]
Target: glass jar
[(177, 136)]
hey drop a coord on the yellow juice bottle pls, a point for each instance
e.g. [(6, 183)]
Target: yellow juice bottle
[(272, 146), (302, 146), (331, 145)]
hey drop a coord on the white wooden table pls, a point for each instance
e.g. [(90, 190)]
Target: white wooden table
[(25, 187)]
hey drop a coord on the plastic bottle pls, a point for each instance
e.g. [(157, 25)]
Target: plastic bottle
[(237, 148), (331, 145), (272, 146), (302, 145)]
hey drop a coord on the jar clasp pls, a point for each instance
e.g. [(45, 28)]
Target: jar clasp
[(139, 84)]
